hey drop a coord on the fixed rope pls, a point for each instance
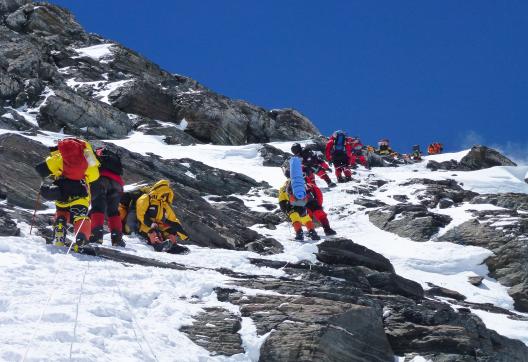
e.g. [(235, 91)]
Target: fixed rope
[(77, 310)]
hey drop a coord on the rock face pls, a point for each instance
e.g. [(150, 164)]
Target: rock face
[(478, 158), (409, 221), (483, 157), (272, 156), (346, 311), (447, 192), (505, 233), (96, 83)]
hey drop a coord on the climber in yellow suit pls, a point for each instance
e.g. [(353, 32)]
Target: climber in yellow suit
[(157, 220), (73, 166)]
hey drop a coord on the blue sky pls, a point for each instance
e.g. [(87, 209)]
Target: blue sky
[(413, 71)]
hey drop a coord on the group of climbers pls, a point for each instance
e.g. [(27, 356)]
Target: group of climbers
[(87, 187), (435, 148)]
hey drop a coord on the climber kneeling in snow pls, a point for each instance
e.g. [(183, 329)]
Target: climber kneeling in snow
[(312, 164), (294, 204), (338, 151), (73, 166), (356, 153), (157, 220)]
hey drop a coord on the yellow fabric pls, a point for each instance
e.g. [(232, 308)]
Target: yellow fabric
[(294, 216), (161, 196), (54, 163)]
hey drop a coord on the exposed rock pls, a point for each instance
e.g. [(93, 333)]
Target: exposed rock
[(445, 165), (409, 221), (369, 203), (346, 252), (445, 203), (76, 115), (272, 156), (266, 246), (172, 133), (481, 157), (514, 201), (217, 331), (7, 6), (393, 283), (315, 329), (435, 290), (436, 190), (400, 198), (20, 182), (291, 125), (505, 233), (476, 280), (7, 226)]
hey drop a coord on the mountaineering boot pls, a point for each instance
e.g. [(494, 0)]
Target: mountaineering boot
[(341, 179), (329, 231), (313, 235), (330, 183), (299, 235), (348, 179), (117, 239), (97, 235), (59, 231)]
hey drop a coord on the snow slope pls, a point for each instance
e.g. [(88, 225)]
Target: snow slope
[(102, 310)]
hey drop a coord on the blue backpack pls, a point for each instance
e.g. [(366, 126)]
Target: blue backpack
[(339, 141)]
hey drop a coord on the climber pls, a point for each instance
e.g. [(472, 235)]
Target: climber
[(157, 220), (384, 148), (435, 148), (73, 166), (315, 207), (313, 164), (416, 154), (357, 153), (295, 209), (106, 194), (127, 208), (338, 151)]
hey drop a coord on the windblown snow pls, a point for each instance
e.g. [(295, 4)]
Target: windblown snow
[(55, 306)]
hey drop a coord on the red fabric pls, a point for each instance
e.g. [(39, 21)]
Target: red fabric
[(74, 164), (112, 176), (115, 224), (98, 219), (297, 226), (355, 158), (328, 149), (63, 213), (83, 227), (316, 192), (310, 225), (340, 170), (173, 239)]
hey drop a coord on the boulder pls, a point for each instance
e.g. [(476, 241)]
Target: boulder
[(509, 200), (7, 6), (435, 192), (480, 157), (72, 113), (409, 221), (346, 252), (290, 125), (272, 156), (476, 280), (8, 227)]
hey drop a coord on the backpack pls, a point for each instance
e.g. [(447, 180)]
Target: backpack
[(74, 160), (339, 141), (109, 160)]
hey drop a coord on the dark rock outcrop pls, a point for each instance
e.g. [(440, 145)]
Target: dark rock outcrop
[(272, 156), (514, 201), (8, 227), (505, 232), (437, 190), (480, 157), (409, 221), (346, 252)]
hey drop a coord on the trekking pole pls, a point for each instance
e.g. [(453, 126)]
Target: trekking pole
[(34, 212)]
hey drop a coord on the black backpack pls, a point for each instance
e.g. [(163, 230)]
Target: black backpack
[(109, 160)]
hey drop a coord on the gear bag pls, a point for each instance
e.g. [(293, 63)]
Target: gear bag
[(109, 160)]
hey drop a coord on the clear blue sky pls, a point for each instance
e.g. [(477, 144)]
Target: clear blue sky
[(413, 71)]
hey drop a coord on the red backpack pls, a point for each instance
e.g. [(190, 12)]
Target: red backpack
[(74, 164)]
